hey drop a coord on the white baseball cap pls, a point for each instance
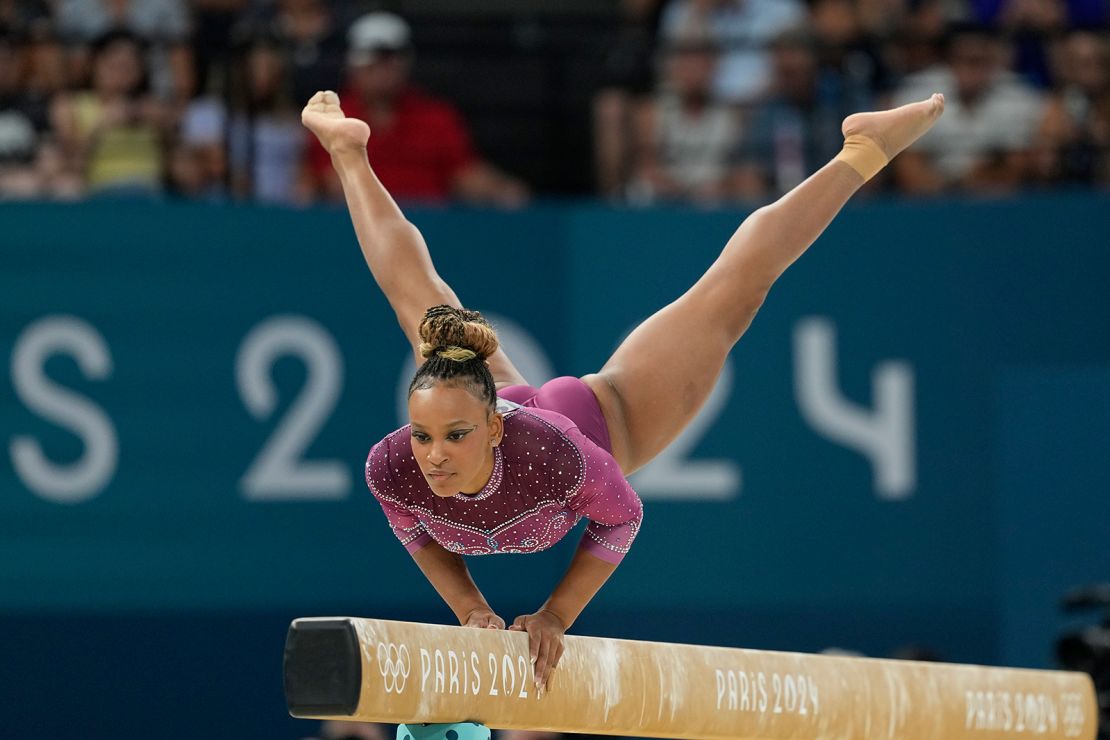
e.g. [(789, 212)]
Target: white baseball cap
[(374, 33)]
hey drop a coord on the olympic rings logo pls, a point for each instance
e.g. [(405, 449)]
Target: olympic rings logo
[(394, 664)]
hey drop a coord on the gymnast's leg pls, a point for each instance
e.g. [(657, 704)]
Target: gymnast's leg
[(662, 373), (393, 247)]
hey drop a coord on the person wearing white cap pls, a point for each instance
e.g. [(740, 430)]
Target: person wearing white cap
[(375, 36), (420, 149)]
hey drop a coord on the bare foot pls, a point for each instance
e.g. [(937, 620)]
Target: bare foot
[(894, 130), (337, 133)]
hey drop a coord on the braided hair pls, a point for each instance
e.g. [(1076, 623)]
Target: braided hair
[(455, 344)]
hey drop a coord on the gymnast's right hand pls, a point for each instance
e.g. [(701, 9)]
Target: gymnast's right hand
[(337, 133), (484, 619)]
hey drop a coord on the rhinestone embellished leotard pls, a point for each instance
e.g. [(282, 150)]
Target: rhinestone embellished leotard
[(547, 475)]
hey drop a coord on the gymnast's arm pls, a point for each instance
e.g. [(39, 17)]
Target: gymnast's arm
[(447, 572), (615, 513), (584, 578)]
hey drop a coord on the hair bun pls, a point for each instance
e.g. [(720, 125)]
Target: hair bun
[(455, 333)]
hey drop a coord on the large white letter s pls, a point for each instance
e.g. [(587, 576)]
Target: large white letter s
[(83, 479)]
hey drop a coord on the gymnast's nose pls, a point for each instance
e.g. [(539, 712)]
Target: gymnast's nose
[(437, 455)]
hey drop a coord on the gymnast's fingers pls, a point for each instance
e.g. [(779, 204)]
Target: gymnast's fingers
[(560, 647), (485, 619), (535, 639), (543, 656), (553, 649)]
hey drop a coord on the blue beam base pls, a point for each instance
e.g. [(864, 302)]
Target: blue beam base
[(445, 731)]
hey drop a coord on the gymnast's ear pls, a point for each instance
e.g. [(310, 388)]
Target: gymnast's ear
[(496, 427)]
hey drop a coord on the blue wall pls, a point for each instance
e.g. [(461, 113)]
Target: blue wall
[(905, 446)]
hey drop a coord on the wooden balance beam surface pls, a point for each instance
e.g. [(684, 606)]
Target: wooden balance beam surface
[(381, 671)]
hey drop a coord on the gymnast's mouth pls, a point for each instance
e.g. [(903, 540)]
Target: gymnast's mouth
[(439, 475)]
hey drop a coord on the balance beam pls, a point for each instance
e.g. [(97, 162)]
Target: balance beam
[(374, 670)]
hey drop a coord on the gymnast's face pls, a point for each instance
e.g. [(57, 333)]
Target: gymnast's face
[(453, 436)]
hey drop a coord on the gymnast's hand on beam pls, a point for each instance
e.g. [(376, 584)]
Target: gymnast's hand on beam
[(545, 642), (484, 619)]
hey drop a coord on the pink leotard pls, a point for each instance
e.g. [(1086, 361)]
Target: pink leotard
[(547, 474)]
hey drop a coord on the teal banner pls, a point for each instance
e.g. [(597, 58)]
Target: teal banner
[(191, 392)]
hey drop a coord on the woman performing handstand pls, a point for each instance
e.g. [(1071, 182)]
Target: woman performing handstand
[(489, 464)]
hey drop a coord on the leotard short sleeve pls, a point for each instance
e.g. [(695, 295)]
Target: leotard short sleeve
[(605, 498)]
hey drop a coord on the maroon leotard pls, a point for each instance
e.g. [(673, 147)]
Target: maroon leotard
[(552, 468)]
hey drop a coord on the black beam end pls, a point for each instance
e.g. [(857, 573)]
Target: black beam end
[(322, 667)]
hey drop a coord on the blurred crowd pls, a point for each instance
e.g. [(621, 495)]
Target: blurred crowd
[(746, 97), (201, 99), (703, 101)]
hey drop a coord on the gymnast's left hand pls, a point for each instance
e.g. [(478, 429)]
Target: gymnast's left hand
[(545, 642)]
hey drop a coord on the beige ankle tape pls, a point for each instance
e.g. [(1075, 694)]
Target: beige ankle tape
[(863, 155)]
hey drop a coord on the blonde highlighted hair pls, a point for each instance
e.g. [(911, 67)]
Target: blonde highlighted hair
[(455, 344)]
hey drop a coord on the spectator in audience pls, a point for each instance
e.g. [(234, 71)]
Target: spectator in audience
[(23, 117), (850, 62), (267, 139), (797, 130), (112, 133), (311, 37), (1032, 25), (1039, 14), (1074, 141), (30, 166), (881, 18), (214, 32), (419, 147), (46, 63), (261, 147), (627, 86), (24, 17), (684, 137), (741, 29), (1029, 25), (984, 140), (188, 177), (916, 44), (162, 26), (197, 160)]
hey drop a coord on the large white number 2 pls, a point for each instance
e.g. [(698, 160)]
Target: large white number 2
[(279, 470)]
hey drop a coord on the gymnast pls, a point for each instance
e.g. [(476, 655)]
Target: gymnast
[(489, 464)]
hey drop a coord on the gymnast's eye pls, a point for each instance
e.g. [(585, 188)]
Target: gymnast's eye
[(420, 436), (456, 436)]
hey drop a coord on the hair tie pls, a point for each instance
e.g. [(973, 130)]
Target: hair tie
[(456, 354)]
